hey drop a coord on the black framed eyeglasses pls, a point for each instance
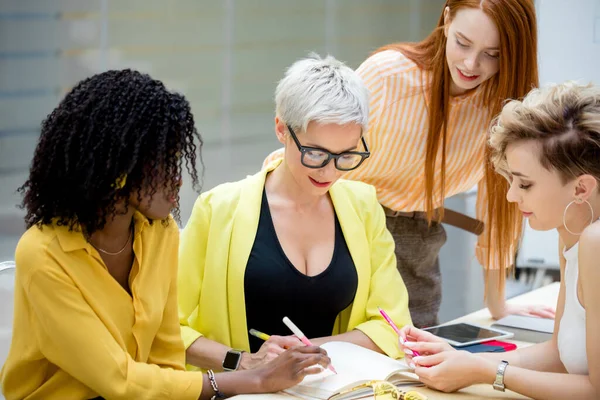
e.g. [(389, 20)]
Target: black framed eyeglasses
[(314, 157)]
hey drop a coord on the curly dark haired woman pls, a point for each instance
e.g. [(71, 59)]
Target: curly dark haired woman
[(95, 296)]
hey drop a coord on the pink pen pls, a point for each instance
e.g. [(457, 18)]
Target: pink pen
[(394, 327), (296, 331)]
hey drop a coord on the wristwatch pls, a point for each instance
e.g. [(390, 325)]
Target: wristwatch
[(232, 360), (499, 382)]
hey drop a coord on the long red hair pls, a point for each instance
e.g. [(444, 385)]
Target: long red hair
[(517, 75)]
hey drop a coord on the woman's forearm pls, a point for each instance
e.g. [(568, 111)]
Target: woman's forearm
[(495, 299), (206, 354), (541, 357), (546, 385)]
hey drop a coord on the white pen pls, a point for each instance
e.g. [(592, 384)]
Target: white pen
[(296, 331)]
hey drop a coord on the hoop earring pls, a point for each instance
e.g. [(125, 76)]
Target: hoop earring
[(565, 216)]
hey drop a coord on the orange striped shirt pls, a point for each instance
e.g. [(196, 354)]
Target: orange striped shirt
[(397, 136)]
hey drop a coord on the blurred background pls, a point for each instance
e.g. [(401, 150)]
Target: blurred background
[(226, 56)]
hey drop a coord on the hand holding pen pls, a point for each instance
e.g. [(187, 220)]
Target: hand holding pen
[(401, 335), (296, 331), (273, 347)]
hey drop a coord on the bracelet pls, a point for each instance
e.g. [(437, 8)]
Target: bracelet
[(213, 383)]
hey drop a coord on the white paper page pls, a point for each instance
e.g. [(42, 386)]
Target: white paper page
[(354, 364)]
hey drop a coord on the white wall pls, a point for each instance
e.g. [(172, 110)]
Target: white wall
[(569, 40), (226, 56), (569, 49)]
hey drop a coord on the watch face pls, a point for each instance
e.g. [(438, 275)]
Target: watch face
[(232, 360)]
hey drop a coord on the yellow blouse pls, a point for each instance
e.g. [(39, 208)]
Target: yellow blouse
[(78, 334), (216, 244)]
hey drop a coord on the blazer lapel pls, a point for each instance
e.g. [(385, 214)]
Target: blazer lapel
[(245, 225), (354, 234)]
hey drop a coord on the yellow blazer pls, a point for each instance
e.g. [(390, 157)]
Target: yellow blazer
[(215, 247)]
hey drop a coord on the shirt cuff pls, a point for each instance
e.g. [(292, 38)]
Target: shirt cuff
[(190, 388), (189, 336)]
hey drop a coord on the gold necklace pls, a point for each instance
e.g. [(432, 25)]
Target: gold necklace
[(118, 252)]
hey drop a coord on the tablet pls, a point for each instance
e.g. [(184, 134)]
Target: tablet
[(463, 334)]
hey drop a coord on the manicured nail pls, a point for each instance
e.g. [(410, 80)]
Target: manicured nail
[(409, 352), (417, 359), (412, 365), (409, 344)]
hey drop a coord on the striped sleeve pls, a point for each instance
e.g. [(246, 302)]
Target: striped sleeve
[(370, 74), (396, 110)]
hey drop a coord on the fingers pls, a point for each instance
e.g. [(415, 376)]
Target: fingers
[(427, 343), (543, 312), (428, 347), (312, 371), (317, 359), (431, 378), (532, 310), (291, 341), (428, 361), (272, 348), (307, 356), (407, 352), (269, 351), (308, 350), (418, 335), (402, 347), (409, 332), (276, 345), (403, 333), (424, 374), (304, 361), (285, 342), (292, 366)]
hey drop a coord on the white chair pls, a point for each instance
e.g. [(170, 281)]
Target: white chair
[(7, 289)]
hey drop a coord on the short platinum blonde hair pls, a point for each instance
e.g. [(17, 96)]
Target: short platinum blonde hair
[(323, 90), (563, 119)]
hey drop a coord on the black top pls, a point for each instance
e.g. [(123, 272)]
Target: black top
[(274, 288)]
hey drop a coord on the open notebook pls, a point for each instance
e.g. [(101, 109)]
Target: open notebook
[(355, 365)]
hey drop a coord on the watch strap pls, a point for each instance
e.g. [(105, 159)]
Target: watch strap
[(499, 382)]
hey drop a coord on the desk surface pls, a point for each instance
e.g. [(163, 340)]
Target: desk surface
[(546, 295)]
